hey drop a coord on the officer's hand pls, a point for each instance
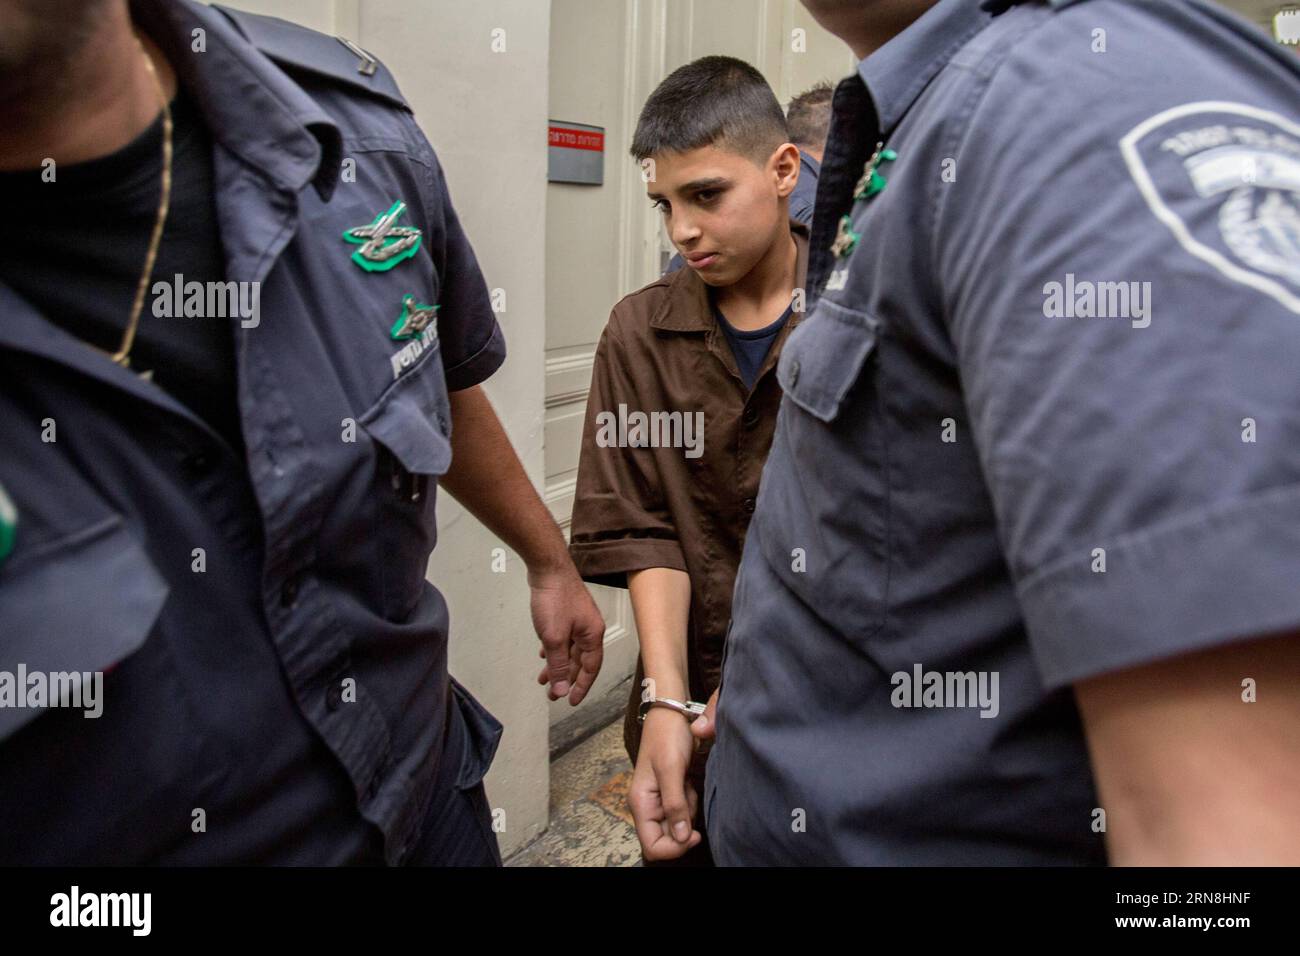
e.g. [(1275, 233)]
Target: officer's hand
[(703, 726), (662, 802), (571, 630)]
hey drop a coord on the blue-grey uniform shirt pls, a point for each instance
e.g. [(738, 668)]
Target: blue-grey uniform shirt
[(803, 200), (273, 655), (1042, 423)]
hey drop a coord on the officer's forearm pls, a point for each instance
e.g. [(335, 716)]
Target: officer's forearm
[(487, 477), (661, 603)]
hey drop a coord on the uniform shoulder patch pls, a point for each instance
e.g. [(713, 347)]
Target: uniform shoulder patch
[(299, 49), (1225, 178)]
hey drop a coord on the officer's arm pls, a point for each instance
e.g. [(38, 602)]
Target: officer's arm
[(487, 477), (1197, 758)]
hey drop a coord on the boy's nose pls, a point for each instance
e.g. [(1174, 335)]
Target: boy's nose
[(684, 232)]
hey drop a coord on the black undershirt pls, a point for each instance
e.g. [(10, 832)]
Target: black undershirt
[(74, 249)]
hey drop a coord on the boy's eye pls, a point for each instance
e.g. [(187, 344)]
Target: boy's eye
[(707, 195), (660, 205)]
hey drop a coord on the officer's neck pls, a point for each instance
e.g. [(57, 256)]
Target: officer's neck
[(866, 32), (90, 105)]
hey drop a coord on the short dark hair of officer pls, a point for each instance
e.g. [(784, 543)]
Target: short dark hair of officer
[(809, 117), (713, 101)]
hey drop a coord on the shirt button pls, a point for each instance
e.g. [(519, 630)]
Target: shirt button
[(198, 463), (750, 417), (748, 505), (289, 592), (794, 371)]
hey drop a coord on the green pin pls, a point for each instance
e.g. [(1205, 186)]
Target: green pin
[(845, 238), (872, 182), (384, 243), (415, 318), (8, 524)]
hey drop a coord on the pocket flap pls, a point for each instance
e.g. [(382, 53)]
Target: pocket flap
[(80, 604), (824, 356), (402, 425)]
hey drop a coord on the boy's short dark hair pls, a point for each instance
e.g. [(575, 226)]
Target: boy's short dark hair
[(809, 116), (713, 101)]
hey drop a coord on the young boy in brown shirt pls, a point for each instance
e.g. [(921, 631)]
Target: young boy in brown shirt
[(681, 413)]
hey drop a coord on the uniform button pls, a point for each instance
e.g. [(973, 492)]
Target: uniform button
[(289, 592), (749, 506), (794, 371), (198, 463), (750, 417)]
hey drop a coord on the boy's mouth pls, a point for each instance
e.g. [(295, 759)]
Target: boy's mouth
[(701, 260)]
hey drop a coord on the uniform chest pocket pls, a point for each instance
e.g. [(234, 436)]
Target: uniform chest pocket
[(410, 427), (823, 509), (112, 774), (46, 601)]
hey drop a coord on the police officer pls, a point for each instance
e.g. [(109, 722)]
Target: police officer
[(231, 377), (809, 117), (1023, 560)]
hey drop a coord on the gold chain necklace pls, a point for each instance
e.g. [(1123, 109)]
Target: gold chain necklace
[(123, 355)]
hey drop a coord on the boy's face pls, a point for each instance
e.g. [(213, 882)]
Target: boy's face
[(723, 210)]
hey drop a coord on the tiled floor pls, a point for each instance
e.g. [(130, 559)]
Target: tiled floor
[(590, 822)]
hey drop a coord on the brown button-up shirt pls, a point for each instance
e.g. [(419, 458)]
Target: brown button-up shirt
[(675, 507)]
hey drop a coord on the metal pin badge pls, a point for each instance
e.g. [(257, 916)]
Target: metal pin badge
[(415, 318), (384, 243), (8, 524), (872, 181), (845, 239)]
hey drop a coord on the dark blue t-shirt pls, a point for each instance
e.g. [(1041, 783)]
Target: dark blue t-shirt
[(750, 348)]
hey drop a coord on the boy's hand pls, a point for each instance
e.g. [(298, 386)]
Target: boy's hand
[(662, 802), (571, 630)]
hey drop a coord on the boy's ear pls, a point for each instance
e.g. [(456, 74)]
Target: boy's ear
[(783, 166)]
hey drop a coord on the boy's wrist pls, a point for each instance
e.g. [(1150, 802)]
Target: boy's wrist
[(689, 709), (662, 724)]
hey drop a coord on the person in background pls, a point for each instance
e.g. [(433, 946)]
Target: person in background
[(809, 119)]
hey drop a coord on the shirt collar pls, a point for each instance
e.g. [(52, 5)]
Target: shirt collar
[(687, 308), (252, 108), (898, 71)]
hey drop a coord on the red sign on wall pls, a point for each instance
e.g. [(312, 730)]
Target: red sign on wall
[(573, 137), (576, 153)]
